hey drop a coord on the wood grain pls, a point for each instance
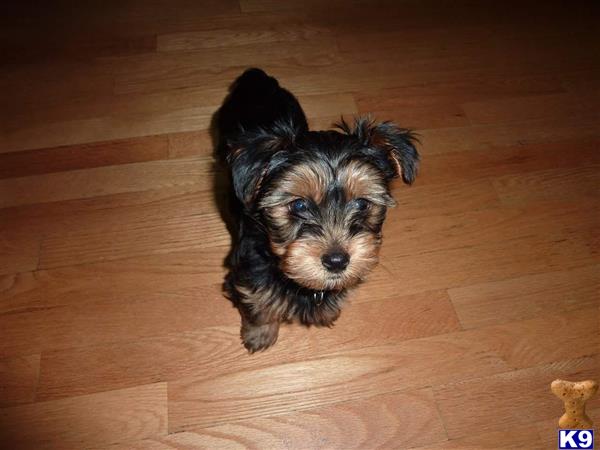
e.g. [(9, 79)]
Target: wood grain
[(156, 72), (202, 353), (19, 251), (116, 416), (191, 143), (122, 320), (513, 437), (574, 334), (151, 237), (447, 198), (488, 262), (492, 136), (35, 162), (474, 164), (235, 31), (105, 180), (132, 278), (393, 420), (18, 379), (527, 296), (565, 184), (508, 407), (308, 384), (472, 228), (103, 128), (561, 105)]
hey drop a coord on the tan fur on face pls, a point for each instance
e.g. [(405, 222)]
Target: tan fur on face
[(303, 181), (360, 180), (302, 261), (308, 180)]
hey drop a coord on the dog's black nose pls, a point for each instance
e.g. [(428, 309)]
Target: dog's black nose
[(335, 261)]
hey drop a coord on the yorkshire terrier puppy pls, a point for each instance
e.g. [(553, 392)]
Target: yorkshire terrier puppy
[(310, 205)]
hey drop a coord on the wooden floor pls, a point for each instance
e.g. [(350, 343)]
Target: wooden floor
[(113, 329)]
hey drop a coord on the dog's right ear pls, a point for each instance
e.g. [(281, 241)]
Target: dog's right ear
[(253, 156), (392, 148)]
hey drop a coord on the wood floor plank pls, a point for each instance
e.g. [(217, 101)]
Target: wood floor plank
[(18, 379), (106, 180), (132, 298), (35, 162), (408, 236), (493, 136), (574, 334), (74, 121), (264, 29), (112, 211), (373, 70), (202, 353), (560, 106), (511, 160), (187, 272), (122, 320), (438, 105), (57, 46), (492, 261), (103, 128), (513, 437), (116, 214), (449, 54), (307, 386), (329, 379), (104, 418), (66, 86), (459, 91), (489, 101), (110, 29), (527, 296), (127, 116), (19, 251), (450, 198), (471, 36), (574, 184), (158, 72), (152, 237), (378, 422), (190, 143), (505, 406)]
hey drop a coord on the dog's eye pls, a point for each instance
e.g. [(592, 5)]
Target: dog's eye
[(360, 204), (298, 206)]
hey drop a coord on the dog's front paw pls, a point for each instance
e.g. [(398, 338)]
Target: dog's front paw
[(259, 337)]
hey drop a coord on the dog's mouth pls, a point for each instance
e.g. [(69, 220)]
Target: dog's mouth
[(333, 282), (326, 268)]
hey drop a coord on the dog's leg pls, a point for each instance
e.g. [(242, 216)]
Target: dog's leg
[(259, 336), (261, 316)]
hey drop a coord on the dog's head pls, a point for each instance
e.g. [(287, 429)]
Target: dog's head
[(323, 196)]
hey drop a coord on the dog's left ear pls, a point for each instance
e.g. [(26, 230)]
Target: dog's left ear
[(253, 156), (390, 147)]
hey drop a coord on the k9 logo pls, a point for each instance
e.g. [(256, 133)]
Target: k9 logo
[(568, 439)]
